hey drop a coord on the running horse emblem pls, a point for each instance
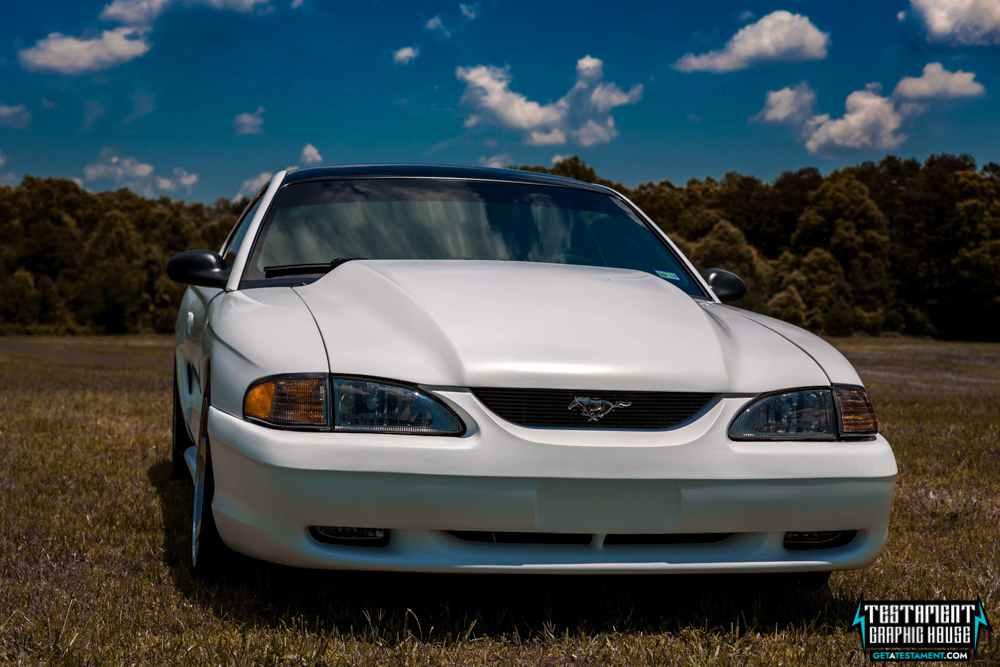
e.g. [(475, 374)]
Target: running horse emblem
[(595, 408)]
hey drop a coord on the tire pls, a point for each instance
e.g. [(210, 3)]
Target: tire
[(207, 547), (181, 440)]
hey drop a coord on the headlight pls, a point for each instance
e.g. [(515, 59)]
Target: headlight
[(807, 414), (348, 404)]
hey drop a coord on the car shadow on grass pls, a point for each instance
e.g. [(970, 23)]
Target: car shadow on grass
[(454, 607)]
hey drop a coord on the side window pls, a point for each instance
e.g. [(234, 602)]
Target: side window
[(240, 230)]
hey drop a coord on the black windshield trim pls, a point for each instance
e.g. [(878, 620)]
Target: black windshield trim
[(247, 283)]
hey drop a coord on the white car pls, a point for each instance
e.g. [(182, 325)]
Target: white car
[(420, 368)]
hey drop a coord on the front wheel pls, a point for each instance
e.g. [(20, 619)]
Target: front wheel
[(207, 547)]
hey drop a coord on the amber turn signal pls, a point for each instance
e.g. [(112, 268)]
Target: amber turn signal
[(857, 416), (289, 401), (259, 401)]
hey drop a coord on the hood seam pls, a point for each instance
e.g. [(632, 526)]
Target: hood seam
[(319, 329)]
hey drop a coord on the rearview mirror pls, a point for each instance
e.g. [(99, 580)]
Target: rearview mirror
[(204, 268), (727, 285)]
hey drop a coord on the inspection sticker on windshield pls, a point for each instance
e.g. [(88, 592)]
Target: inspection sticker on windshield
[(669, 275), (920, 630)]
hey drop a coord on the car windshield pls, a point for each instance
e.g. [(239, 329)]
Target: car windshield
[(425, 218)]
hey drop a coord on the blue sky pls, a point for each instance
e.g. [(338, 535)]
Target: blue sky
[(199, 98)]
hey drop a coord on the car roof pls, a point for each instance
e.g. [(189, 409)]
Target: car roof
[(434, 171)]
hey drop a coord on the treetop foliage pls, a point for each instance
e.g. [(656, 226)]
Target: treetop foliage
[(893, 246)]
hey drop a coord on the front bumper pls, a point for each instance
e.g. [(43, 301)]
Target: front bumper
[(271, 485)]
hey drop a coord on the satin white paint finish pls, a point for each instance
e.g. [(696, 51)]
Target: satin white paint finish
[(451, 325), (516, 324)]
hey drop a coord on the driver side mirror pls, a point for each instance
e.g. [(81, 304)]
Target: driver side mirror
[(203, 268), (727, 286)]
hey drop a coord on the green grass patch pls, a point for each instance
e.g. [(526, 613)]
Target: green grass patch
[(94, 543)]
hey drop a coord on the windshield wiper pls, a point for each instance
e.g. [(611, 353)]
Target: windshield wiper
[(299, 269)]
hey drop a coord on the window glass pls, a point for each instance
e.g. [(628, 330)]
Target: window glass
[(314, 223), (240, 231)]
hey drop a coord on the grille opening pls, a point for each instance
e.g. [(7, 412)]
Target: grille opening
[(626, 539), (549, 408), (521, 538), (353, 537), (825, 539)]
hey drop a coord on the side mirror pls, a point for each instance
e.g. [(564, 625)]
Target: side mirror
[(726, 285), (204, 268)]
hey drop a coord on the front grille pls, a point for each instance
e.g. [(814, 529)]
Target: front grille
[(631, 539), (549, 408), (521, 538)]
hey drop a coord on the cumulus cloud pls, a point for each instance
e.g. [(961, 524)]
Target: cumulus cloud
[(557, 158), (469, 11), (310, 155), (581, 115), (74, 56), (966, 22), (134, 12), (778, 37), (249, 123), (790, 105), (181, 179), (436, 25), (405, 55), (128, 171), (871, 121), (16, 117), (252, 185), (498, 161), (938, 83)]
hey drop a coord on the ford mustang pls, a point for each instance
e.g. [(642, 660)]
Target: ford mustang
[(421, 368)]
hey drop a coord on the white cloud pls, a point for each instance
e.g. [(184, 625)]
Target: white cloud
[(134, 12), (17, 117), (92, 112), (142, 104), (938, 83), (469, 11), (788, 105), (297, 3), (778, 37), (74, 56), (3, 159), (405, 55), (582, 114), (746, 15), (901, 16), (310, 155), (249, 123), (47, 103), (497, 161), (554, 137), (436, 25), (968, 22), (252, 185), (129, 171), (181, 179), (556, 159), (871, 122)]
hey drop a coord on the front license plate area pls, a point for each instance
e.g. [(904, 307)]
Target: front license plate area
[(607, 506)]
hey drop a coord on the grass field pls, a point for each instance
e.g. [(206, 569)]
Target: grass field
[(93, 543)]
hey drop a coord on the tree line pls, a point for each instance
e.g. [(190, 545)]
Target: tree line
[(897, 246)]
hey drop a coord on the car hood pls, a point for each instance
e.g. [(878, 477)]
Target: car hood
[(521, 324)]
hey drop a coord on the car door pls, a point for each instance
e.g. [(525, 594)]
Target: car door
[(193, 321)]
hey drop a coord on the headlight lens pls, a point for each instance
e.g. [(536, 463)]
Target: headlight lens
[(377, 407), (348, 404), (806, 414)]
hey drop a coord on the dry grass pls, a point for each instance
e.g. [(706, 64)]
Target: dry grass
[(93, 543)]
